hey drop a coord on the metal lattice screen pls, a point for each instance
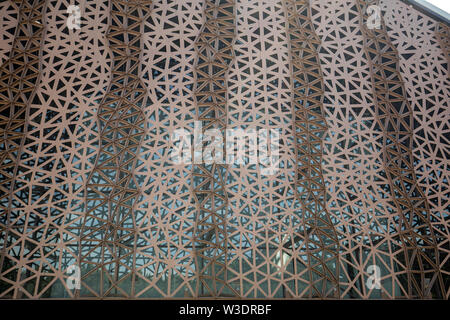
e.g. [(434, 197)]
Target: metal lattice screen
[(92, 91)]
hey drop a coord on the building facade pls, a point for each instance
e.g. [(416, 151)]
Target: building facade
[(93, 205)]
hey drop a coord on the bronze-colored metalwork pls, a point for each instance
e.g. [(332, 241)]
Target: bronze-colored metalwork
[(395, 121), (109, 224), (310, 127), (215, 53), (443, 36), (423, 71), (87, 181), (19, 76)]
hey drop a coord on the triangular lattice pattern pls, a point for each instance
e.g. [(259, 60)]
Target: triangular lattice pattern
[(86, 123)]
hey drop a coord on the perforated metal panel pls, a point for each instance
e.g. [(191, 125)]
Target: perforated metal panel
[(88, 186)]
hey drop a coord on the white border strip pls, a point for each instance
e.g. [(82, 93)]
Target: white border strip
[(432, 8)]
